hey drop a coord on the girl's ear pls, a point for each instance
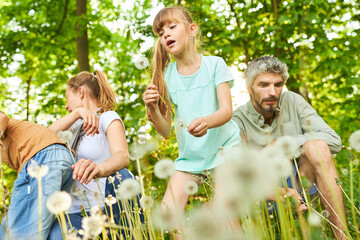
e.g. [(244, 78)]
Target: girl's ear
[(193, 29), (81, 92)]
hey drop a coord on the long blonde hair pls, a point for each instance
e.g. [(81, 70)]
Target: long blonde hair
[(98, 86), (161, 58)]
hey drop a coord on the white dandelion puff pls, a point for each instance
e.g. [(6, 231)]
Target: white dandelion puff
[(325, 213), (141, 62), (164, 218), (37, 171), (138, 150), (146, 202), (355, 162), (354, 140), (93, 225), (65, 136), (164, 168), (191, 187), (111, 179), (314, 219), (344, 171), (59, 202), (128, 189), (276, 161), (289, 146), (96, 210), (110, 200)]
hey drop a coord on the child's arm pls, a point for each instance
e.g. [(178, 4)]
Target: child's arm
[(4, 120), (199, 126), (91, 121), (85, 169), (161, 123)]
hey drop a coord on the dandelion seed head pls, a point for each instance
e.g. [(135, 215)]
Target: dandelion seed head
[(139, 150), (58, 202), (164, 168), (141, 62), (191, 187), (354, 140), (110, 200), (37, 171), (344, 171), (146, 202), (164, 218), (93, 225), (204, 224), (314, 219), (325, 213), (289, 146), (111, 179), (128, 189), (96, 210), (65, 136), (356, 162)]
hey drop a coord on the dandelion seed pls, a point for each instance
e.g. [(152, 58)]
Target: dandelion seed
[(191, 187), (118, 176), (142, 62), (314, 219), (93, 225), (128, 189), (354, 140), (205, 224), (37, 171), (344, 171), (277, 162), (146, 202), (355, 162), (110, 200), (65, 136), (59, 202), (289, 146), (111, 179), (325, 213), (164, 168), (308, 125)]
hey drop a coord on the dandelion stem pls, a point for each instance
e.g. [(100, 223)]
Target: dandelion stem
[(102, 197), (64, 225)]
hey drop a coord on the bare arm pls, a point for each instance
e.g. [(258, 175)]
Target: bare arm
[(85, 169), (91, 121), (199, 126), (161, 123)]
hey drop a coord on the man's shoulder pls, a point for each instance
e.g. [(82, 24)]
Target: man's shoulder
[(241, 109)]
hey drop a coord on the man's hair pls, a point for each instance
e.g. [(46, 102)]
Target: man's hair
[(265, 64)]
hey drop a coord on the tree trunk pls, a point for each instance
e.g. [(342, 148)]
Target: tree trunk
[(81, 36)]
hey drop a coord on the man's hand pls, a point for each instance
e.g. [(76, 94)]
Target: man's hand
[(288, 192)]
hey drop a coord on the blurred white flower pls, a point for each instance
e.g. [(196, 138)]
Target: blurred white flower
[(289, 146), (204, 224), (164, 168), (93, 225), (325, 213), (314, 219), (354, 140), (110, 200), (141, 62), (138, 150), (111, 179), (164, 218), (146, 202), (128, 189), (191, 187), (276, 161), (355, 162), (65, 136), (344, 171), (96, 210), (58, 202), (37, 171)]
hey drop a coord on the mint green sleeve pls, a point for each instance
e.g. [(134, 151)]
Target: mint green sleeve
[(222, 73)]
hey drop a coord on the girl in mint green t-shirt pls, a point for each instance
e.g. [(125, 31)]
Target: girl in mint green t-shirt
[(198, 86)]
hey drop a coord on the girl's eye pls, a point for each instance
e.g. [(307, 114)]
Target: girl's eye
[(172, 26), (160, 34)]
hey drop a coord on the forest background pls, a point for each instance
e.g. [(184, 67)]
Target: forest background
[(43, 43)]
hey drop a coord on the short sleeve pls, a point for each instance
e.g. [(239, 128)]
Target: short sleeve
[(107, 118), (222, 73)]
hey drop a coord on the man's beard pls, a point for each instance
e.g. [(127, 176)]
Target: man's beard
[(270, 108)]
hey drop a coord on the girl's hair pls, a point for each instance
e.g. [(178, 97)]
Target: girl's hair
[(265, 64), (98, 86), (161, 58)]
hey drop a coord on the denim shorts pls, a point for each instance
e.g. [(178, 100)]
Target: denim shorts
[(23, 212)]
